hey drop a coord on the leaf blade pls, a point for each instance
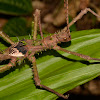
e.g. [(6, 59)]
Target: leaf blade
[(15, 7), (59, 73)]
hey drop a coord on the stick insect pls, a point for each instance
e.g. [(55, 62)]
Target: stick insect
[(28, 48)]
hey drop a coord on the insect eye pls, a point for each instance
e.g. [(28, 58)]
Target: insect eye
[(65, 38)]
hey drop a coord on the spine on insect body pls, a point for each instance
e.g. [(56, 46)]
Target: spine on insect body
[(57, 38), (48, 42), (24, 47)]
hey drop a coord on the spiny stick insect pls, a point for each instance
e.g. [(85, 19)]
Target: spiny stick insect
[(28, 48)]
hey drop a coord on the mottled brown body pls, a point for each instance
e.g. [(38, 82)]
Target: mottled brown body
[(28, 48), (47, 43)]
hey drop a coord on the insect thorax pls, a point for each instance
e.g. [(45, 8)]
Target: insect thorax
[(18, 49)]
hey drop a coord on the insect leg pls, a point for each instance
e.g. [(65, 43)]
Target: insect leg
[(36, 22), (76, 54), (80, 15), (40, 26), (8, 66), (6, 37), (67, 19), (4, 57), (38, 82)]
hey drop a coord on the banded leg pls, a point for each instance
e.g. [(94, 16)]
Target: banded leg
[(38, 82), (8, 66), (76, 54)]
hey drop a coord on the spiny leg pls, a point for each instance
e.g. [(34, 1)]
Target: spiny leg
[(80, 15), (76, 54), (6, 37), (38, 82), (9, 65)]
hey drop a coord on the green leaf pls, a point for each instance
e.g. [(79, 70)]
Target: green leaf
[(61, 73), (15, 7), (16, 27)]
